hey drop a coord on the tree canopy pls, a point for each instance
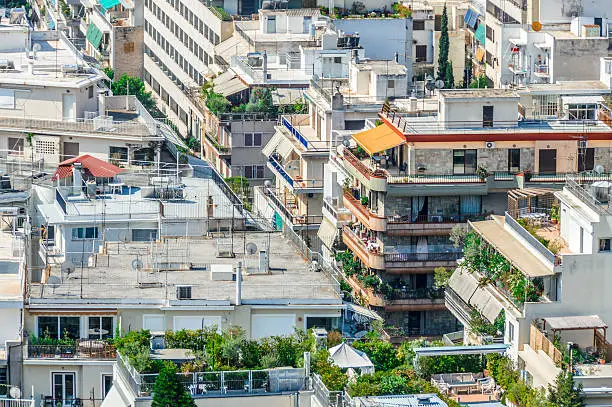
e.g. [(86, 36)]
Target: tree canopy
[(168, 390), (443, 46)]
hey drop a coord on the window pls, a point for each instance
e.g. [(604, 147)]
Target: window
[(487, 116), (547, 161), (489, 58), (604, 245), (15, 146), (100, 328), (514, 160), (84, 233), (59, 327), (586, 159), (421, 53), (490, 34), (511, 331), (418, 25), (90, 90), (64, 388), (608, 67), (4, 375), (254, 171), (252, 139), (45, 147), (337, 60), (464, 161), (118, 153), (183, 292), (107, 383), (390, 84), (438, 22)]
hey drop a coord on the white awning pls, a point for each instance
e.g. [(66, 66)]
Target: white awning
[(488, 306), (582, 100), (327, 232), (284, 148), (228, 84), (269, 148), (517, 41), (463, 283), (359, 310)]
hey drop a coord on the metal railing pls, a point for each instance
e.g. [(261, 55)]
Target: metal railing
[(361, 167), (435, 256), (82, 349), (281, 170), (98, 125), (324, 396), (17, 403), (574, 184), (443, 218), (436, 179), (533, 242), (417, 293)]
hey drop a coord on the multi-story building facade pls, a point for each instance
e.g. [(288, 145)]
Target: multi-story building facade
[(408, 181), (561, 258), (565, 41)]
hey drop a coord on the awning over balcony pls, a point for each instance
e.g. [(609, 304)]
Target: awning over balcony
[(511, 248), (484, 301), (379, 138), (93, 35), (362, 311), (278, 143), (327, 233), (464, 284), (228, 84), (575, 323), (582, 99), (107, 4)]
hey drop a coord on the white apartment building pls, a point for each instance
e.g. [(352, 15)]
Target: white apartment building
[(545, 41), (571, 304)]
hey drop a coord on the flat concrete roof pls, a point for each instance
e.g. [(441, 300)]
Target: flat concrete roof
[(477, 93), (382, 67), (112, 278)]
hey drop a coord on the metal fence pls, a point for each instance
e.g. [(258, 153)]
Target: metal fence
[(535, 243)]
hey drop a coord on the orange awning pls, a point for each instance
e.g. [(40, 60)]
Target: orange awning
[(378, 139), (480, 54)]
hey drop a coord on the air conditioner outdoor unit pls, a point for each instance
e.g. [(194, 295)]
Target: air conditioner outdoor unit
[(489, 145), (431, 17)]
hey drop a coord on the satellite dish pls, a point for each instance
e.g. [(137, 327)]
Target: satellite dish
[(440, 84), (67, 267), (430, 85), (15, 392), (346, 143), (53, 282), (536, 26), (251, 248), (136, 265), (599, 169), (36, 48)]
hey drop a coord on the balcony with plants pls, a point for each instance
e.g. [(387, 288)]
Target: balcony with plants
[(360, 208), (66, 347)]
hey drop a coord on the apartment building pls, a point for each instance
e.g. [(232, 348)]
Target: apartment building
[(114, 34), (564, 312), (544, 41), (300, 148), (408, 181), (54, 106)]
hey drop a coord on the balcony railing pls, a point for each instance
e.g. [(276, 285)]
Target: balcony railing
[(97, 125), (361, 167), (297, 182), (82, 349), (533, 242), (295, 132), (537, 342), (431, 256), (436, 179), (294, 219), (417, 293), (221, 149), (372, 220), (426, 219), (371, 256)]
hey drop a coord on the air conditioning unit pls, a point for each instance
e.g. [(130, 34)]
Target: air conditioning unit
[(183, 292), (489, 145)]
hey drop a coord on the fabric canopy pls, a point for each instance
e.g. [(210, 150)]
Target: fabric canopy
[(480, 34), (107, 4), (379, 138), (345, 356), (93, 35), (575, 322), (92, 165), (470, 18), (327, 232)]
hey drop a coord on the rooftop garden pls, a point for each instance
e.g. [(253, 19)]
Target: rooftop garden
[(493, 268), (359, 10)]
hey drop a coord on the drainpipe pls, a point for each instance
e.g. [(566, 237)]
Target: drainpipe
[(239, 283)]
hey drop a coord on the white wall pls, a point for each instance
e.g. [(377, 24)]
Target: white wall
[(458, 112), (10, 321)]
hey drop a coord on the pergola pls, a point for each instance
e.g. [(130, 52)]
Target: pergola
[(576, 323)]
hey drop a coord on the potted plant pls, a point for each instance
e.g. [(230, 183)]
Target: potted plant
[(364, 200), (554, 214), (482, 172)]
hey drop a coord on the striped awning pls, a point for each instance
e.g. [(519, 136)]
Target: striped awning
[(93, 35)]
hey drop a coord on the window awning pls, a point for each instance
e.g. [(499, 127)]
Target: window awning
[(93, 35), (582, 100), (486, 304), (327, 232), (470, 18), (272, 144), (107, 4), (379, 138)]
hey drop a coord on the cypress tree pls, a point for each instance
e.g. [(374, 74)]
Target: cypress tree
[(443, 46), (168, 390), (565, 394), (450, 77)]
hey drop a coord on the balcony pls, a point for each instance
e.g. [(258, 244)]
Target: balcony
[(368, 218), (290, 215), (221, 150), (541, 70), (368, 253), (517, 69), (81, 349), (339, 215), (296, 183), (429, 260), (406, 225), (375, 180)]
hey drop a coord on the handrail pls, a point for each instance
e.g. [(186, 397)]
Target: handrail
[(361, 167), (361, 208), (430, 256), (295, 132), (535, 243)]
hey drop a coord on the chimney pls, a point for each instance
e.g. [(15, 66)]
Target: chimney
[(239, 283), (265, 66), (77, 178), (396, 57)]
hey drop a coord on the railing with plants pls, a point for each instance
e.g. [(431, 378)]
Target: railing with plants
[(429, 256), (417, 293), (361, 167), (221, 149), (66, 348), (536, 243), (440, 218), (493, 268)]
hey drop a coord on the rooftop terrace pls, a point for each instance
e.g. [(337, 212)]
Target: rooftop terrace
[(160, 267)]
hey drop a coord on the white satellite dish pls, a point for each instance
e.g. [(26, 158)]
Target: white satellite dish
[(440, 84), (251, 248), (599, 169), (15, 392), (136, 265), (67, 267)]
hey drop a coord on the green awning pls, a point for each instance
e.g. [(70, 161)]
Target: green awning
[(480, 33), (93, 35), (107, 4)]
